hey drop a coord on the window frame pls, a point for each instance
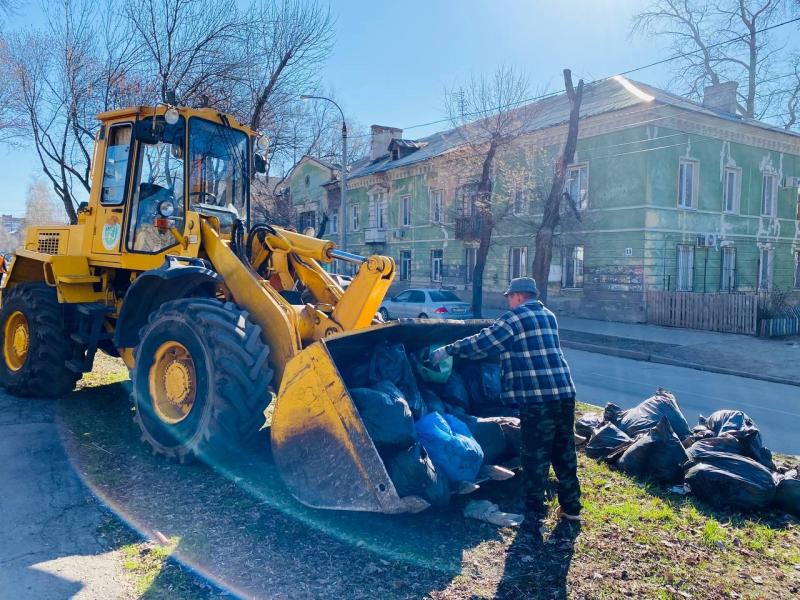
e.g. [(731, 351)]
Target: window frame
[(354, 217), (574, 254), (690, 273), (737, 190), (405, 264), (770, 264), (437, 193), (131, 160), (797, 269), (405, 202), (522, 261), (695, 164), (773, 193), (469, 264), (727, 284), (434, 260), (399, 296), (334, 221), (583, 202)]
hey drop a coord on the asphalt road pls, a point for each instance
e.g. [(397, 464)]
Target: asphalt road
[(49, 522), (775, 407)]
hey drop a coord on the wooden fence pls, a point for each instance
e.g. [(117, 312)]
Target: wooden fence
[(731, 313)]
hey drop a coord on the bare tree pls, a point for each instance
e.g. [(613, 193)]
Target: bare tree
[(483, 111), (188, 46), (725, 40), (551, 216)]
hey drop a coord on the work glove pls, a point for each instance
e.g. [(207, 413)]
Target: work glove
[(439, 355)]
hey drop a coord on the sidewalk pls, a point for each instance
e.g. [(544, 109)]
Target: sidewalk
[(776, 360)]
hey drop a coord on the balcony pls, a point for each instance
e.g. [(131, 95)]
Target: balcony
[(468, 228), (373, 235)]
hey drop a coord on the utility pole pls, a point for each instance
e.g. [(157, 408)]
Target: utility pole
[(342, 221)]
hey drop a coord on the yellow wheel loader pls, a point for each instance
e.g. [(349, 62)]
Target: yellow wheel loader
[(213, 315)]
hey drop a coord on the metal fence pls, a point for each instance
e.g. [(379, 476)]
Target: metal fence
[(730, 313)]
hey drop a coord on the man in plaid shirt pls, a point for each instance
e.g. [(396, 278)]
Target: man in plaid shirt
[(535, 377)]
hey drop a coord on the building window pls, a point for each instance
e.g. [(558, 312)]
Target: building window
[(334, 220), (685, 267), (307, 180), (765, 269), (797, 269), (405, 211), (731, 190), (728, 280), (688, 175), (519, 203), (405, 265), (436, 265), (572, 267), (377, 210), (307, 220), (769, 194), (354, 217), (578, 185), (470, 258), (437, 206), (517, 262), (466, 199)]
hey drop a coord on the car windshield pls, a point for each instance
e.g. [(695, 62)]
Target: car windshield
[(218, 178), (443, 296)]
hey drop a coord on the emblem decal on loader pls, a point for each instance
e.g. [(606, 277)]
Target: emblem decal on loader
[(110, 233)]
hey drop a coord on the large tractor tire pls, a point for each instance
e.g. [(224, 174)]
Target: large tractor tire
[(200, 380), (36, 343)]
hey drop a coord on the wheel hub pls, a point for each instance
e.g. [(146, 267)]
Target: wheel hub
[(16, 341), (172, 382)]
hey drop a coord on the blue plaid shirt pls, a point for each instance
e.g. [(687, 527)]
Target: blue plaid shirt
[(533, 366)]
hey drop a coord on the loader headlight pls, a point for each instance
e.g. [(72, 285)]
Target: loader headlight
[(262, 143), (166, 208)]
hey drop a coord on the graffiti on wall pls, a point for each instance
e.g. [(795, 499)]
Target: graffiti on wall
[(615, 278)]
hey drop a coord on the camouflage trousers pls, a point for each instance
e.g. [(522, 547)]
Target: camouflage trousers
[(548, 438)]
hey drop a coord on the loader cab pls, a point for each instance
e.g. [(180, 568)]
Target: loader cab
[(158, 170)]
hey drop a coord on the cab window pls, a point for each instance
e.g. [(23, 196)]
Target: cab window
[(158, 193), (115, 171)]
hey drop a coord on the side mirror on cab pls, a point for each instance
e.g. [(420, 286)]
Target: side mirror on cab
[(148, 132), (259, 164)]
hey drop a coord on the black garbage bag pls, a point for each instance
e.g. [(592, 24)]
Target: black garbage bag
[(390, 363), (498, 437), (699, 432), (413, 474), (741, 426), (586, 425), (606, 440), (432, 402), (787, 494), (644, 416), (657, 454), (482, 380), (731, 481), (388, 420), (712, 447), (453, 391)]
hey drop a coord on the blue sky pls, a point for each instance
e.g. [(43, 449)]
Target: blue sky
[(392, 60)]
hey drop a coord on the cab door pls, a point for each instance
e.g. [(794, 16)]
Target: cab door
[(113, 192)]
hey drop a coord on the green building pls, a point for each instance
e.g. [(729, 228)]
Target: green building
[(668, 194)]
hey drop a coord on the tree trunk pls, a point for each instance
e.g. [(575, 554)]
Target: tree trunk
[(486, 225), (552, 208)]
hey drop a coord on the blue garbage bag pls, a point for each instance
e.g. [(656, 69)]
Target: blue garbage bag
[(450, 445)]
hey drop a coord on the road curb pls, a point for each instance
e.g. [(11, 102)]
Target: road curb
[(666, 360)]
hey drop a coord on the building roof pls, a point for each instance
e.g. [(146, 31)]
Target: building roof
[(608, 95)]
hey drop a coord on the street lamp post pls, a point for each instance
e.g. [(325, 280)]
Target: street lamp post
[(343, 212)]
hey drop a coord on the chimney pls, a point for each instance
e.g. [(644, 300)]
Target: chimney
[(381, 138), (721, 96)]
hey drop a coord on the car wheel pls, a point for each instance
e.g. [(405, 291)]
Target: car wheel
[(384, 314), (423, 316)]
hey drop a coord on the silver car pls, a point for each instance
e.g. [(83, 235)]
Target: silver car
[(425, 303)]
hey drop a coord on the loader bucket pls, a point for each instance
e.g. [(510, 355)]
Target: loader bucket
[(319, 443)]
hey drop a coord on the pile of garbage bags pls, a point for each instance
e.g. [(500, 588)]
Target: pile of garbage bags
[(429, 422), (722, 460)]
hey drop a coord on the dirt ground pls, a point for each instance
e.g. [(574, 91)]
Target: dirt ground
[(236, 525)]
